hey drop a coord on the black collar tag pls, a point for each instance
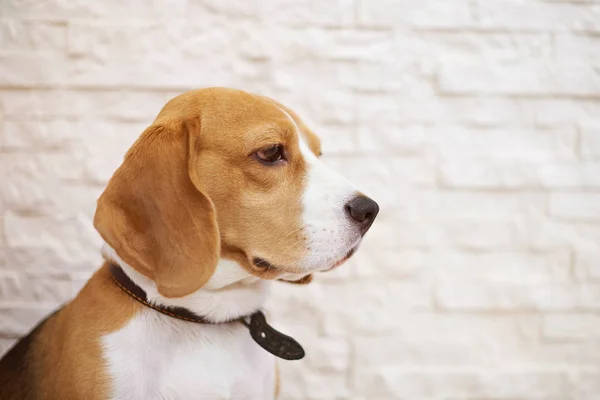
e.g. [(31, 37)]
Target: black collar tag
[(273, 341)]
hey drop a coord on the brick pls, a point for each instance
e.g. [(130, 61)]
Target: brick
[(231, 9), (585, 47), (142, 39), (484, 351), (338, 13), (378, 119), (333, 107), (306, 384), (373, 138), (579, 206), (430, 46), (337, 139), (30, 133), (384, 231), (40, 197), (42, 241), (515, 174), (472, 383), (509, 297), (59, 166), (30, 187), (552, 113), (17, 319), (111, 137), (35, 286), (513, 143), (590, 140), (429, 14), (461, 328), (536, 16), (53, 106), (172, 74), (439, 205), (375, 111), (474, 234), (587, 264), (456, 141), (542, 233), (334, 44), (42, 36), (473, 123), (95, 150), (571, 327), (169, 74), (378, 262), (3, 257), (481, 112), (73, 256), (524, 78), (32, 231), (340, 320), (383, 76), (100, 168), (29, 69), (86, 137), (305, 73), (515, 267), (571, 1), (330, 354), (63, 9), (305, 322), (369, 173)]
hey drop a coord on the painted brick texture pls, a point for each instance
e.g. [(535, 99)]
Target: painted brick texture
[(474, 123)]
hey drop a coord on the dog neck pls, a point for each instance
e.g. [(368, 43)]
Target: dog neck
[(230, 293)]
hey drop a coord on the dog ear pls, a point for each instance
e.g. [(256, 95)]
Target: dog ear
[(305, 280), (154, 213)]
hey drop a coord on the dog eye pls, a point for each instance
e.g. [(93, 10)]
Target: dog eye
[(271, 154)]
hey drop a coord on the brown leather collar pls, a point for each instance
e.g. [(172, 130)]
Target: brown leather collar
[(266, 336), (129, 287)]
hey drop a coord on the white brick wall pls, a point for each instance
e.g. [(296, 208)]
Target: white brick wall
[(475, 123)]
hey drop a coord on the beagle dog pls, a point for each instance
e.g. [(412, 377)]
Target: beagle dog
[(220, 196)]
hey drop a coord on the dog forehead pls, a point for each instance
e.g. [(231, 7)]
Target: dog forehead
[(222, 106), (236, 118), (218, 102)]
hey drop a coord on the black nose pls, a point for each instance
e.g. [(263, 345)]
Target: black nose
[(363, 210)]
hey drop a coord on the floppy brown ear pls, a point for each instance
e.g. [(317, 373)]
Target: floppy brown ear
[(305, 280), (154, 214)]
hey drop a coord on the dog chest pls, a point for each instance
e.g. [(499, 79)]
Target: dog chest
[(158, 357)]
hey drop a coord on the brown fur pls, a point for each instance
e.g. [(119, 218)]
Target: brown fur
[(188, 192), (64, 359), (18, 373), (155, 215), (199, 148)]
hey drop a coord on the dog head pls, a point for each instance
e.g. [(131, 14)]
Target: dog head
[(227, 174)]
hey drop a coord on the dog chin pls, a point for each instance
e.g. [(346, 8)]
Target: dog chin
[(342, 260), (285, 273)]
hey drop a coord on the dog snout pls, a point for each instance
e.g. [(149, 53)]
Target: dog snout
[(363, 211)]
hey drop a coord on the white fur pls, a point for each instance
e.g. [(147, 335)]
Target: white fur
[(159, 357), (330, 232), (230, 293)]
